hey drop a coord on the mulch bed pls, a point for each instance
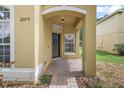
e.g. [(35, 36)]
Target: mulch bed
[(21, 84), (24, 84), (89, 82), (109, 75), (6, 64)]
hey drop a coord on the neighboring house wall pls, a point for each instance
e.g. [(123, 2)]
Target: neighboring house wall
[(121, 28), (24, 37), (107, 33)]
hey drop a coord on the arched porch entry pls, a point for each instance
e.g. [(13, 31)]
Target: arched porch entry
[(63, 22), (66, 22)]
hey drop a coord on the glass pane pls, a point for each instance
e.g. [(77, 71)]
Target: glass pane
[(1, 15), (0, 32), (1, 49), (7, 38), (69, 43), (1, 8), (6, 9), (6, 58), (6, 49), (6, 15), (6, 32), (0, 40), (1, 58)]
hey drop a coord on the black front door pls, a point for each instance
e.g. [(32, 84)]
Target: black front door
[(55, 45)]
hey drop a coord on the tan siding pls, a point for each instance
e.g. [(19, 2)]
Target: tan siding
[(107, 33), (120, 38), (121, 22), (108, 26)]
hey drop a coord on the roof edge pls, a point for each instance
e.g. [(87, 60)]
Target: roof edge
[(117, 11)]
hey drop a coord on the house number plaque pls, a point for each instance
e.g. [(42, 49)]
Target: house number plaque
[(24, 19)]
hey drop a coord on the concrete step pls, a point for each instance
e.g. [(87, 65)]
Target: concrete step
[(20, 74)]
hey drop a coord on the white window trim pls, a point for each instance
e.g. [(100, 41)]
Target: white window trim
[(12, 34), (63, 8), (11, 20), (10, 30), (70, 53)]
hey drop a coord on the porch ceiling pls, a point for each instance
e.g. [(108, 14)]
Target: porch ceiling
[(68, 19)]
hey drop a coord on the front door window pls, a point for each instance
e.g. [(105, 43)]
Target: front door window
[(55, 45)]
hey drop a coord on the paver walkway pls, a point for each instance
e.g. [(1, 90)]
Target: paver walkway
[(64, 72)]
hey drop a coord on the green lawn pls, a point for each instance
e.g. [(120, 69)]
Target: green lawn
[(108, 57)]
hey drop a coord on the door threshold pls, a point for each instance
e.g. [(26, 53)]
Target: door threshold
[(55, 59)]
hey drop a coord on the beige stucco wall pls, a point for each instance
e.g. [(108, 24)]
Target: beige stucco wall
[(110, 32), (90, 41), (46, 44), (24, 37)]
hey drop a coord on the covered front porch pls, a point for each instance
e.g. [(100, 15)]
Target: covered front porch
[(57, 35)]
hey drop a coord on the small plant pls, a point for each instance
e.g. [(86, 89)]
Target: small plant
[(45, 79), (1, 79), (97, 85)]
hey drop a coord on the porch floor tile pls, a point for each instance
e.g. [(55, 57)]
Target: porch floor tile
[(64, 72)]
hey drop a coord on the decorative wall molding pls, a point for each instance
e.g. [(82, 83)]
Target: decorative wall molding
[(64, 8)]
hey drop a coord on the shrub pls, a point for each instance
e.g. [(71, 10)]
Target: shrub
[(113, 50), (120, 49), (97, 85), (45, 79)]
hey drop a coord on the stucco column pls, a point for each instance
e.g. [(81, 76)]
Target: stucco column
[(78, 43), (90, 42), (38, 66)]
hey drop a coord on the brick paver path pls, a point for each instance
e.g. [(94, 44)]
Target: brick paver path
[(64, 72)]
